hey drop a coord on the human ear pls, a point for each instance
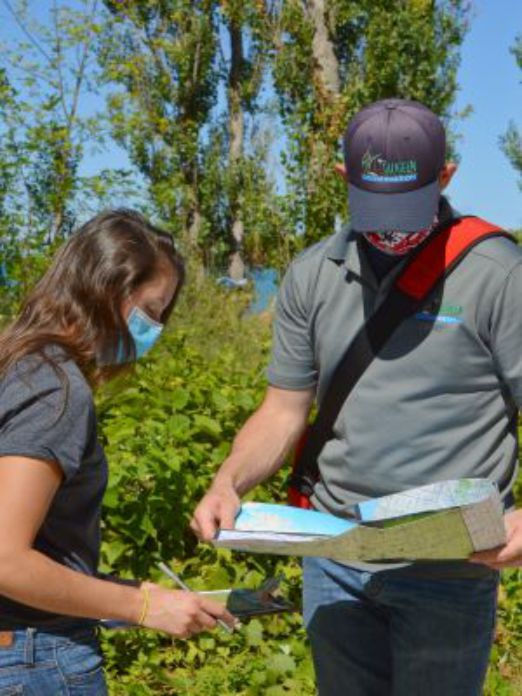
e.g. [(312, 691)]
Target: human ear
[(340, 169), (446, 174), (126, 306)]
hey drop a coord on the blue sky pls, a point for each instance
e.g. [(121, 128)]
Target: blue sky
[(490, 82)]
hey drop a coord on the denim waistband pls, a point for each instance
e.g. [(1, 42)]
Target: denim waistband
[(32, 645), (53, 628)]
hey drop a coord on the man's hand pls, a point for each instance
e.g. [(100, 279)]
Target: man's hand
[(217, 509), (509, 555), (258, 451)]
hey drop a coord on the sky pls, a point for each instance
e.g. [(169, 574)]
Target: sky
[(490, 82)]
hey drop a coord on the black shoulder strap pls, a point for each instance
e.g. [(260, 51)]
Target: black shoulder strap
[(434, 261)]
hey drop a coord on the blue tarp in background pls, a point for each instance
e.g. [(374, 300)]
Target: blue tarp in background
[(265, 287)]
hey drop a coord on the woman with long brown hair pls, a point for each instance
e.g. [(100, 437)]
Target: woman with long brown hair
[(101, 304)]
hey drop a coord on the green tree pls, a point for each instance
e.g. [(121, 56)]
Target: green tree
[(511, 141), (47, 124), (244, 80), (163, 55), (51, 66), (191, 73), (331, 57)]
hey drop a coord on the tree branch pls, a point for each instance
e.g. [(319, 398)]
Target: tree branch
[(27, 33)]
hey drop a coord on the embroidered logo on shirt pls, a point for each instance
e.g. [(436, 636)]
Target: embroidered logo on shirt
[(441, 314), (435, 307), (438, 318)]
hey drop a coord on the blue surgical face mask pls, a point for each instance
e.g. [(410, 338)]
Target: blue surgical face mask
[(144, 330)]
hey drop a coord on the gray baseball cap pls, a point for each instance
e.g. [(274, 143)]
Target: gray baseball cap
[(394, 151)]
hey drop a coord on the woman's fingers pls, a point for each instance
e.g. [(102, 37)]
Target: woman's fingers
[(182, 613), (218, 611)]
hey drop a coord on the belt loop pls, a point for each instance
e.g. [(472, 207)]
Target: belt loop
[(29, 646)]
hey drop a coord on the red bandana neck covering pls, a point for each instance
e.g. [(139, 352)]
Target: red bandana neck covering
[(397, 243)]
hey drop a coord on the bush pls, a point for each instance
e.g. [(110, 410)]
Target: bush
[(167, 428)]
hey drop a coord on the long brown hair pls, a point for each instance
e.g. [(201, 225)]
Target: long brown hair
[(77, 304)]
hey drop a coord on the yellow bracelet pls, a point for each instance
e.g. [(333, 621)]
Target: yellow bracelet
[(146, 605)]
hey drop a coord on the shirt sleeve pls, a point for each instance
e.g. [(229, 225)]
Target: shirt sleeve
[(44, 416), (292, 365), (506, 333)]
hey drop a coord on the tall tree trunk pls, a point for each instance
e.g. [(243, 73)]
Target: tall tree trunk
[(190, 205), (326, 66), (194, 220), (327, 86), (236, 269)]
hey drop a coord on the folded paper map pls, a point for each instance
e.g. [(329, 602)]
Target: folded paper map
[(448, 520)]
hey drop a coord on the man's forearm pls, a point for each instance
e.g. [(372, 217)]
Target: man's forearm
[(258, 452), (261, 446)]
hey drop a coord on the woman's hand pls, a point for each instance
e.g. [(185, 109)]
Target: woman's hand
[(183, 614)]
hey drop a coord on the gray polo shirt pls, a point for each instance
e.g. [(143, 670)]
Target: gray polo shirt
[(439, 402)]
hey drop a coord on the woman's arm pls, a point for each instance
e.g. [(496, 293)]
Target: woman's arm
[(27, 488)]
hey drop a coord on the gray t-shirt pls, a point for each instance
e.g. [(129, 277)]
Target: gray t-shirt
[(45, 416)]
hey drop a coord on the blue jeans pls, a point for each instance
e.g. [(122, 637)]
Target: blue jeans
[(389, 633), (37, 663)]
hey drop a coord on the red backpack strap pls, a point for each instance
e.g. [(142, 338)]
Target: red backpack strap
[(442, 253)]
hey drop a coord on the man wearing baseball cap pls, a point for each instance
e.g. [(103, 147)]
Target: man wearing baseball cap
[(439, 401)]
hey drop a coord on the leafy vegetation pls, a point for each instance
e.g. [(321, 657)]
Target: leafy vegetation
[(332, 58), (511, 141), (167, 428)]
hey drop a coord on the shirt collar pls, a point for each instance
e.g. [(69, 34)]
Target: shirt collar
[(340, 244)]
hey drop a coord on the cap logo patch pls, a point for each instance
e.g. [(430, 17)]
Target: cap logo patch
[(379, 170)]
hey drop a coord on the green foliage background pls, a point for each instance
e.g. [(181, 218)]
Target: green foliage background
[(167, 428)]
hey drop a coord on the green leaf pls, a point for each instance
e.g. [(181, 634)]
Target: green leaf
[(207, 425), (179, 426), (254, 633), (179, 398), (113, 551), (281, 664)]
